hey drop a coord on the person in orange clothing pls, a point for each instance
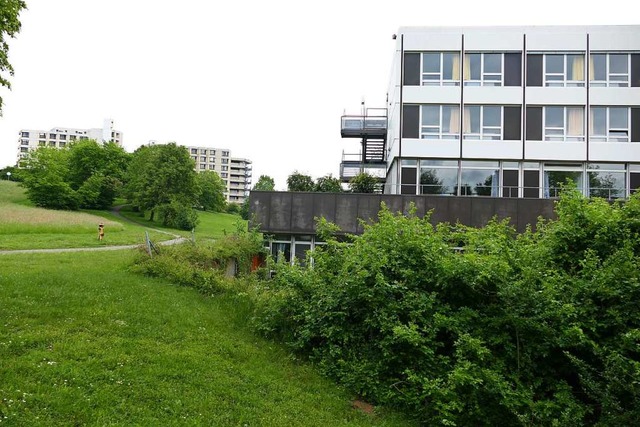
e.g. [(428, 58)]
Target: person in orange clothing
[(100, 231)]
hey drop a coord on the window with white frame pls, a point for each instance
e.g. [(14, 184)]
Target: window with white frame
[(564, 70), (609, 124), (563, 123), (440, 69), (609, 70), (482, 122), (483, 69), (439, 121)]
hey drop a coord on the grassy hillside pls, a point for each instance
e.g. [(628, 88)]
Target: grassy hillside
[(24, 226), (85, 342)]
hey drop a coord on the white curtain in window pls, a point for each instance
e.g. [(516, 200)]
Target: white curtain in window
[(455, 72), (454, 122), (466, 126), (592, 71), (467, 67), (592, 117), (577, 72), (575, 121)]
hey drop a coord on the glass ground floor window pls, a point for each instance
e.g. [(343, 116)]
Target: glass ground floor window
[(513, 178)]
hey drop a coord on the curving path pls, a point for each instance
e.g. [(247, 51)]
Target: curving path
[(116, 211)]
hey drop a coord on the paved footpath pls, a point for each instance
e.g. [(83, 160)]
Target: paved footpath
[(116, 211)]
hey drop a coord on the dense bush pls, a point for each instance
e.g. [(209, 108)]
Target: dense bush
[(203, 266), (178, 215), (537, 329)]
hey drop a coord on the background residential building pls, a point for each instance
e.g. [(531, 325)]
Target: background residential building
[(235, 172), (59, 137), (507, 112)]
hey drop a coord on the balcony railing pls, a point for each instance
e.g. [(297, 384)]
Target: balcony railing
[(364, 126)]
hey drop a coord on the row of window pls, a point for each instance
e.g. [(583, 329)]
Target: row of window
[(517, 179), (543, 123), (211, 152), (505, 69)]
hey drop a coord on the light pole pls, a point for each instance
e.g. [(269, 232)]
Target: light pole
[(8, 176)]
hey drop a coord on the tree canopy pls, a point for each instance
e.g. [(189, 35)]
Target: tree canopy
[(84, 175), (9, 27), (300, 182), (328, 184), (211, 190), (363, 183), (161, 179), (265, 183)]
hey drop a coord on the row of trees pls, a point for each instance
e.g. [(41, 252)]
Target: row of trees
[(361, 183), (158, 179)]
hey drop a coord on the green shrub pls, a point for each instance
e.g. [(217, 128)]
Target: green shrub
[(537, 329), (177, 215)]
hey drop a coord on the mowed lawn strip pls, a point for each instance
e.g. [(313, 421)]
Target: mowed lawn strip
[(212, 225), (24, 226), (85, 342)]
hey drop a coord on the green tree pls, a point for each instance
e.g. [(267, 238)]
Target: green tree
[(97, 172), (299, 182), (46, 174), (328, 184), (161, 175), (9, 27), (211, 191), (265, 183), (363, 183)]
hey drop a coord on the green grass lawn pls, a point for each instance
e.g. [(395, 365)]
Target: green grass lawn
[(24, 226), (212, 225), (83, 341)]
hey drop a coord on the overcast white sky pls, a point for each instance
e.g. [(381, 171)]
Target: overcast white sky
[(267, 79)]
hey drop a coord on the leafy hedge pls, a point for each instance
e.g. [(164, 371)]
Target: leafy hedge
[(514, 330)]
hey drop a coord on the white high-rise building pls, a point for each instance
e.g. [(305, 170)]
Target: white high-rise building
[(59, 137)]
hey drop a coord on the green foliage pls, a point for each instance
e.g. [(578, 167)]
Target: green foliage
[(16, 174), (46, 179), (211, 190), (328, 184), (161, 175), (84, 175), (203, 266), (299, 182), (233, 208), (363, 183), (9, 27), (265, 183), (176, 214), (537, 329)]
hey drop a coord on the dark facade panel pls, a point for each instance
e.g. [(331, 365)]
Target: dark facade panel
[(634, 182), (346, 213), (635, 70), (482, 210), (534, 123), (409, 180), (302, 212), (513, 69), (411, 69), (531, 184), (368, 208), (460, 210), (324, 205), (534, 70), (512, 124), (635, 125), (410, 121), (510, 183), (280, 212)]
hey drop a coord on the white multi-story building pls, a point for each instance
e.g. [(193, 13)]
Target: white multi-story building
[(235, 172), (60, 137), (508, 112)]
